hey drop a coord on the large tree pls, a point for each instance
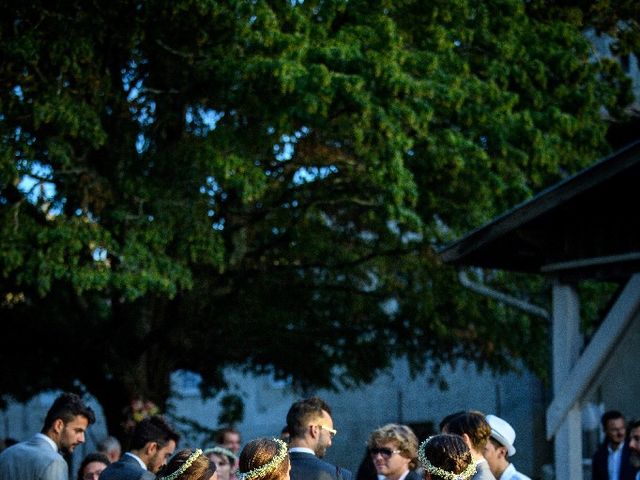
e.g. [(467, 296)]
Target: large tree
[(197, 184)]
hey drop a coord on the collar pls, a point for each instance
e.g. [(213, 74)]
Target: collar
[(481, 460), (48, 440), (508, 472), (614, 450), (404, 475), (137, 458), (302, 450)]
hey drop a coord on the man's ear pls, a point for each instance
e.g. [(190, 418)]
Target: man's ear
[(504, 452), (57, 426), (151, 448), (467, 439)]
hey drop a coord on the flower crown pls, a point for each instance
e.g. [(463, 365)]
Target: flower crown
[(183, 467), (221, 451), (432, 469), (267, 467)]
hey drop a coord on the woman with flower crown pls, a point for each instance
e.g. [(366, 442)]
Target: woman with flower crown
[(446, 457), (224, 459), (264, 459), (188, 465)]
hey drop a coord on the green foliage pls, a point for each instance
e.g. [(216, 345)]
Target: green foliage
[(195, 184)]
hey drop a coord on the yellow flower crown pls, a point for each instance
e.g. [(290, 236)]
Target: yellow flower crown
[(267, 467), (183, 467), (432, 469)]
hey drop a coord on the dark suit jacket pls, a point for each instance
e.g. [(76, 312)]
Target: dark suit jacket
[(127, 468), (600, 467), (413, 475), (305, 466)]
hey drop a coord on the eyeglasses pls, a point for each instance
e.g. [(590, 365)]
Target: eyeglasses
[(384, 452), (332, 432)]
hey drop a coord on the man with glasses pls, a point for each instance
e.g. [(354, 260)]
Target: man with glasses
[(394, 451), (311, 430)]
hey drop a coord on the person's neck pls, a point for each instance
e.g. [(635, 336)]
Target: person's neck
[(614, 446), (300, 443), (141, 455), (396, 476), (55, 438), (500, 470), (475, 455)]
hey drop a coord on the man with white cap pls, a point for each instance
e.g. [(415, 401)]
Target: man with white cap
[(499, 447)]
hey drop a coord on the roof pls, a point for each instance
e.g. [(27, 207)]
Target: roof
[(587, 226)]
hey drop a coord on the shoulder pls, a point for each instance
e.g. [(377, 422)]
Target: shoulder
[(124, 469), (483, 472), (309, 467)]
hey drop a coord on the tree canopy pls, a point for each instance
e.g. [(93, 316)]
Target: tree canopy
[(198, 184)]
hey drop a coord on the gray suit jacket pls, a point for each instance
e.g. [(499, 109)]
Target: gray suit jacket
[(305, 466), (483, 472), (33, 459), (127, 468)]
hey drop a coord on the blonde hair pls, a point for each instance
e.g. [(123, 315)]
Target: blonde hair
[(402, 436)]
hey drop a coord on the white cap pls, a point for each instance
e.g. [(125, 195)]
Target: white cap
[(502, 432)]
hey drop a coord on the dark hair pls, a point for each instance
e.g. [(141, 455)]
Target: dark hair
[(301, 412), (153, 429), (66, 407), (632, 425), (610, 415), (448, 452), (92, 457), (445, 421), (201, 469), (259, 452), (220, 434), (474, 425)]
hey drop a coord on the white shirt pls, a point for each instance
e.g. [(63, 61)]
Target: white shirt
[(49, 441), (142, 464), (510, 473), (613, 462), (302, 450)]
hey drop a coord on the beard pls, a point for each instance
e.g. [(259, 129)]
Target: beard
[(320, 451), (634, 459)]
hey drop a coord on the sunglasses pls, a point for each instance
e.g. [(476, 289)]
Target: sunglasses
[(384, 452)]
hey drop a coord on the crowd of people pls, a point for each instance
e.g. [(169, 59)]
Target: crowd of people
[(470, 445)]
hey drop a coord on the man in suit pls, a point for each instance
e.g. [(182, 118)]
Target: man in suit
[(474, 429), (39, 458), (394, 451), (611, 459), (154, 441), (311, 430)]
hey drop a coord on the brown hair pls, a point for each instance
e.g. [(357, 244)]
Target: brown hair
[(402, 436), (201, 468), (474, 425), (259, 452), (448, 452)]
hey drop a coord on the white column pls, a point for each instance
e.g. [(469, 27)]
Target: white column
[(567, 342)]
